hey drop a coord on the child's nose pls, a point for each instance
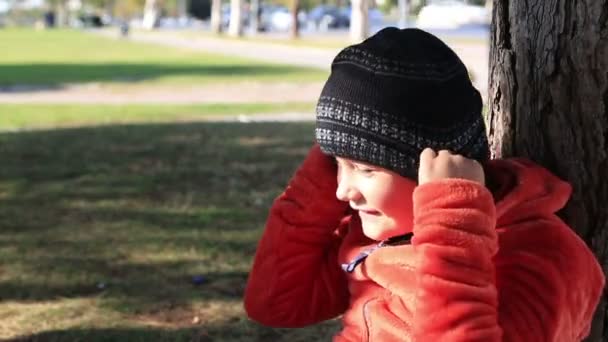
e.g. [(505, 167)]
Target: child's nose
[(345, 191)]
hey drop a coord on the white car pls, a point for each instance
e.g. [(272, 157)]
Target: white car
[(452, 14), (281, 19)]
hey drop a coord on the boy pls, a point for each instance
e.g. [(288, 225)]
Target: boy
[(398, 221)]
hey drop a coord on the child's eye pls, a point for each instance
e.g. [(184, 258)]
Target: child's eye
[(365, 170)]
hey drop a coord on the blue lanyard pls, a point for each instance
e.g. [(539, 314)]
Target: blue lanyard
[(394, 241)]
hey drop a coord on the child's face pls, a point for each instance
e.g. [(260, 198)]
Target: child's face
[(382, 197)]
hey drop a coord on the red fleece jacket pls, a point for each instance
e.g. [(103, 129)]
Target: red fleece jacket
[(481, 266)]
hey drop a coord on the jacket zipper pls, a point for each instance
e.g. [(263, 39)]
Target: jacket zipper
[(394, 241), (350, 267), (366, 319)]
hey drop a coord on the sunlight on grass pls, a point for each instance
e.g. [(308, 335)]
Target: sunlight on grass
[(51, 315), (63, 56), (257, 141), (31, 116)]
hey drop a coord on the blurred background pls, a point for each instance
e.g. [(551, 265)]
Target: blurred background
[(271, 16), (142, 143)]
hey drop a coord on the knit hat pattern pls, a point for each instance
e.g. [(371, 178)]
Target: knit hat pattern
[(393, 95)]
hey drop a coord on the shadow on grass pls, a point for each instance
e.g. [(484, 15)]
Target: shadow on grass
[(126, 285), (129, 214), (117, 334), (52, 76), (236, 331)]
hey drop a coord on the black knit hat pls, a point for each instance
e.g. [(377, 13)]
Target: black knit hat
[(395, 94)]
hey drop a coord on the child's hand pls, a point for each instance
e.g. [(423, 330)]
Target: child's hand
[(436, 166)]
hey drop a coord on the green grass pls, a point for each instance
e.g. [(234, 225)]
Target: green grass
[(35, 116), (63, 56), (104, 227)]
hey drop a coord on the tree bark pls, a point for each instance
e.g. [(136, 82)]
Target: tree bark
[(151, 14), (404, 12), (182, 8), (62, 13), (295, 29), (254, 17), (109, 7), (359, 26), (548, 101), (216, 16), (235, 27)]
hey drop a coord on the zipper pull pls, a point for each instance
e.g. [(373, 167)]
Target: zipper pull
[(350, 267), (394, 241)]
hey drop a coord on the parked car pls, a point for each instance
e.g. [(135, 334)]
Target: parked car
[(328, 16), (175, 22), (451, 14), (280, 19), (374, 15), (226, 9), (88, 20), (265, 16)]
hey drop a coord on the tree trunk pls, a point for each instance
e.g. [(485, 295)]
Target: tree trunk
[(235, 27), (109, 8), (151, 14), (404, 12), (254, 18), (62, 14), (216, 16), (182, 8), (295, 29), (359, 26), (548, 98)]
